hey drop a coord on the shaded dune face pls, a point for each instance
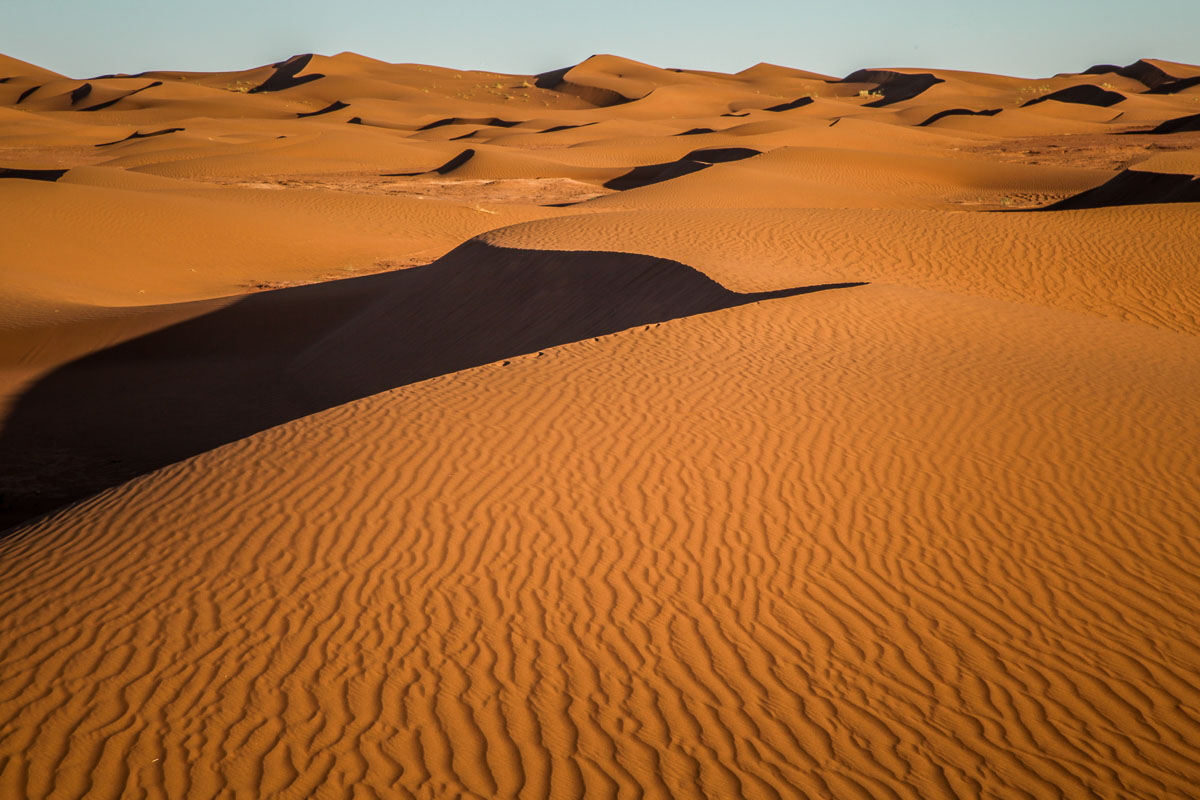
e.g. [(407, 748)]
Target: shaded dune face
[(286, 75), (80, 93), (1159, 77), (1150, 75), (459, 121), (1179, 125), (336, 105), (1135, 187), (1084, 94), (274, 357), (692, 162), (566, 81), (449, 166), (32, 174), (952, 112), (894, 86), (799, 102), (26, 93), (115, 100), (140, 135), (1174, 87)]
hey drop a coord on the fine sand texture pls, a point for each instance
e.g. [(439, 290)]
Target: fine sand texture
[(385, 430)]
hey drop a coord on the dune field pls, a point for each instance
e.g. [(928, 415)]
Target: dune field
[(381, 430)]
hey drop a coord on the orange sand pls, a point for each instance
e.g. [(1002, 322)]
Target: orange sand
[(384, 430)]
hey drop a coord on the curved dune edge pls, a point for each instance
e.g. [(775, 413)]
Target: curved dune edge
[(1084, 94), (1179, 125), (164, 396), (1125, 263), (1136, 187)]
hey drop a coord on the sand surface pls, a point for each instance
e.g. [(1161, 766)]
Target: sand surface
[(385, 430)]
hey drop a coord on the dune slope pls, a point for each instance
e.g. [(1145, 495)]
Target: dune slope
[(617, 569)]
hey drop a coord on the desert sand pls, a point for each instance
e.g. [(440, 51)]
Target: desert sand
[(385, 430)]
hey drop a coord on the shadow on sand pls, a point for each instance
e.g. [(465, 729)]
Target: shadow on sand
[(275, 356)]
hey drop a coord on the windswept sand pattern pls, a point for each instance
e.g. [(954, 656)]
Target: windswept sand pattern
[(610, 581)]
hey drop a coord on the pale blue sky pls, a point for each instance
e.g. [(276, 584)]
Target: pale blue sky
[(1031, 38)]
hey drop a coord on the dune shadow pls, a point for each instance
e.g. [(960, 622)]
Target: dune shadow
[(80, 92), (449, 166), (954, 112), (1176, 86), (32, 174), (799, 102), (1177, 125), (494, 122), (286, 75), (1156, 80), (694, 161), (557, 128), (140, 135), (336, 105), (556, 81), (115, 100), (1134, 187), (276, 356), (1082, 94), (893, 86)]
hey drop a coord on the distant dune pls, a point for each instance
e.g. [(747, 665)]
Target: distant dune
[(389, 430)]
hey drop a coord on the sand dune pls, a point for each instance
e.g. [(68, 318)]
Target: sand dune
[(825, 177), (1085, 94), (1189, 123), (278, 356), (389, 430)]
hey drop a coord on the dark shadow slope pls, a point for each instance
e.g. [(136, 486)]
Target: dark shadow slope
[(276, 356), (558, 128), (115, 100), (955, 112), (1141, 70), (336, 105), (1083, 94), (140, 135), (562, 81), (1179, 125), (1134, 187), (894, 86), (285, 73), (692, 162), (1175, 87), (449, 166), (493, 121), (32, 174), (799, 102), (1154, 78), (80, 92)]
